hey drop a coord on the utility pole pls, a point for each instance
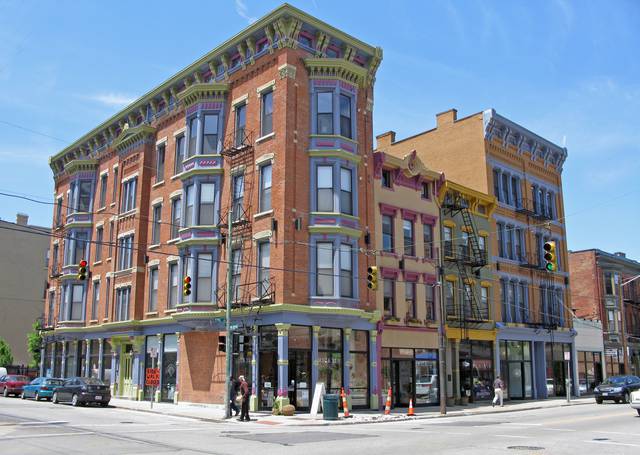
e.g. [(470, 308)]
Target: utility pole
[(228, 339), (442, 367)]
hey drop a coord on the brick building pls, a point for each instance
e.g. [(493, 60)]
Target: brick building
[(493, 155), (603, 288), (272, 130)]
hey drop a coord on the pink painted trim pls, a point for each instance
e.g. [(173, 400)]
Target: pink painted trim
[(409, 215), (386, 209), (410, 329), (428, 219), (429, 278), (389, 272), (411, 276)]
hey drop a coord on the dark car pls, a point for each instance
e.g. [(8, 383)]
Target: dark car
[(617, 388), (12, 384), (41, 388), (81, 391)]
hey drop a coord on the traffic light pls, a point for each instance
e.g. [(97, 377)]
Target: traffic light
[(550, 258), (372, 277), (82, 270), (186, 286)]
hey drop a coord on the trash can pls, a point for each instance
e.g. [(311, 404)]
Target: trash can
[(330, 407)]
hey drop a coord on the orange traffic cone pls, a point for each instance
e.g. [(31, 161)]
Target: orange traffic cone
[(410, 412), (345, 405), (387, 408)]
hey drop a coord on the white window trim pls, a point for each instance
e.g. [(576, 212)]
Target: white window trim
[(153, 263), (99, 224), (180, 132), (156, 201), (129, 177), (238, 170), (271, 85), (173, 259), (265, 137), (262, 235), (243, 99), (123, 285), (103, 173), (161, 141), (127, 233), (95, 278), (264, 159), (176, 194)]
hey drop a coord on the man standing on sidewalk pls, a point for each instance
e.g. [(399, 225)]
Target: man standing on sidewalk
[(244, 389), (498, 388)]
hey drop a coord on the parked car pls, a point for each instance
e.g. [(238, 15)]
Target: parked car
[(12, 384), (41, 388), (635, 401), (80, 391), (617, 388)]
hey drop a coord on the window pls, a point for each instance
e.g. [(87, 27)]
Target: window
[(324, 108), (262, 45), (210, 135), (176, 216), (54, 260), (484, 302), (407, 232), (77, 295), (153, 289), (305, 41), (387, 233), (160, 163), (241, 122), (509, 234), (345, 116), (429, 302), (427, 240), (511, 300), (608, 284), (190, 201), (386, 178), (482, 245), (515, 183), (206, 210), (236, 258), (106, 305), (496, 184), (95, 301), (80, 251), (265, 187), (264, 257), (59, 212), (125, 253), (110, 249), (116, 183), (425, 190), (103, 190), (410, 298), (178, 167), (346, 193), (389, 297), (122, 304), (238, 198), (204, 282), (549, 206), (324, 267), (155, 227), (129, 194), (505, 188), (173, 285), (99, 236), (84, 196), (325, 188), (517, 245), (51, 308), (332, 52), (193, 136), (448, 241), (266, 113), (346, 271), (450, 299)]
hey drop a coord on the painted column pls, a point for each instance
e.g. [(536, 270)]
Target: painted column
[(160, 356), (63, 367), (455, 368), (496, 363), (76, 357), (283, 364), (100, 354), (373, 370), (346, 362), (42, 361), (574, 368), (137, 379), (534, 379), (314, 356), (177, 390), (52, 363), (87, 359), (114, 366), (255, 368)]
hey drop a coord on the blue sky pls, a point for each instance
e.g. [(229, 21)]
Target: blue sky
[(567, 70)]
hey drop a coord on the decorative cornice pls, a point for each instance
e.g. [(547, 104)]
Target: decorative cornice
[(203, 92), (131, 136), (80, 165), (337, 68)]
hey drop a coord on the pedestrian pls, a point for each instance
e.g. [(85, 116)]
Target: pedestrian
[(233, 393), (244, 390), (498, 389)]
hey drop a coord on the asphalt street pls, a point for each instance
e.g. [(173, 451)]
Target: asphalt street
[(27, 427)]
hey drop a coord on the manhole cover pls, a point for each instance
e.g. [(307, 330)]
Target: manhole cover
[(525, 448)]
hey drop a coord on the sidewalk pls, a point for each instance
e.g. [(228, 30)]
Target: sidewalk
[(215, 413)]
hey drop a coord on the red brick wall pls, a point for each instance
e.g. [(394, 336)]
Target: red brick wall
[(202, 368), (584, 283)]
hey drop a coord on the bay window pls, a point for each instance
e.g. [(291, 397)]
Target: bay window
[(193, 136), (84, 196), (77, 295), (324, 114), (325, 188), (345, 116), (189, 203), (324, 268), (210, 134), (346, 271), (204, 282), (346, 193), (206, 209)]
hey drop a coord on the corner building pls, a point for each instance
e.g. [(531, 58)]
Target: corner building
[(489, 153), (265, 141)]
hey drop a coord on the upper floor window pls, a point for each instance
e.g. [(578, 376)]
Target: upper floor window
[(324, 269), (241, 122), (346, 271), (407, 230), (496, 184), (262, 45), (325, 188), (447, 234), (207, 204), (189, 198), (99, 239), (238, 197), (427, 240), (236, 259), (410, 298), (425, 190), (387, 233), (266, 113), (388, 299), (95, 300), (156, 224), (264, 261), (129, 194), (103, 190), (265, 187), (193, 136), (180, 144), (430, 302), (345, 116), (610, 282), (386, 178), (123, 295), (450, 298), (59, 212), (324, 101), (305, 40), (77, 299), (153, 289), (346, 192), (116, 183), (176, 216), (125, 252), (51, 308), (160, 163), (332, 52), (54, 259), (210, 135), (80, 249), (484, 302), (173, 285)]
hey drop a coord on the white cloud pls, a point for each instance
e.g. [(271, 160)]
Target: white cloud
[(112, 99), (243, 11)]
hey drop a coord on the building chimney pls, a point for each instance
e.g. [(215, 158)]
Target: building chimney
[(620, 254), (446, 117), (22, 219), (384, 140)]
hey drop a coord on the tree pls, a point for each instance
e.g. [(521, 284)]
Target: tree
[(34, 342), (6, 358)]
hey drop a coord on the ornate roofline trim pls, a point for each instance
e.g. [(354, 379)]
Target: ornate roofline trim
[(203, 92), (332, 68), (130, 136)]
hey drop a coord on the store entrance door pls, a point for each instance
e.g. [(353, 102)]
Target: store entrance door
[(299, 378), (402, 382)]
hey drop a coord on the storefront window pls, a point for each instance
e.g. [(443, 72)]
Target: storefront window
[(330, 359), (299, 366), (169, 369), (149, 362), (516, 368), (106, 362), (427, 385), (476, 370), (57, 364), (242, 353), (71, 365), (268, 364), (359, 369), (556, 367), (94, 357), (589, 371)]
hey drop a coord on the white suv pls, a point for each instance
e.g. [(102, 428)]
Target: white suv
[(635, 400)]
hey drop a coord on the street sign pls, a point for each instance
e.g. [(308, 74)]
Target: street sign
[(153, 353), (152, 377), (567, 356)]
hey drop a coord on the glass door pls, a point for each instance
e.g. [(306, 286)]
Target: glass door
[(515, 384), (403, 381), (299, 378)]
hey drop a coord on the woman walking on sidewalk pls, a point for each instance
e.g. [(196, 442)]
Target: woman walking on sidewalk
[(498, 388), (244, 390), (233, 393)]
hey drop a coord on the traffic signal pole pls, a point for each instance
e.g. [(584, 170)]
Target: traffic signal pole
[(228, 339)]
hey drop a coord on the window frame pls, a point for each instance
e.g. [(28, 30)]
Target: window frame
[(179, 155), (99, 242), (263, 272), (208, 149), (346, 196), (95, 299), (176, 216), (160, 160), (156, 225), (388, 298), (325, 250), (321, 188), (266, 112), (265, 192), (324, 118), (346, 121), (346, 274), (240, 123), (206, 210), (408, 250), (388, 235), (173, 298), (104, 180)]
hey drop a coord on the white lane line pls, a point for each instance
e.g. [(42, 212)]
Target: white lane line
[(611, 432), (156, 430), (558, 429), (46, 435), (511, 436), (524, 424), (613, 443)]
